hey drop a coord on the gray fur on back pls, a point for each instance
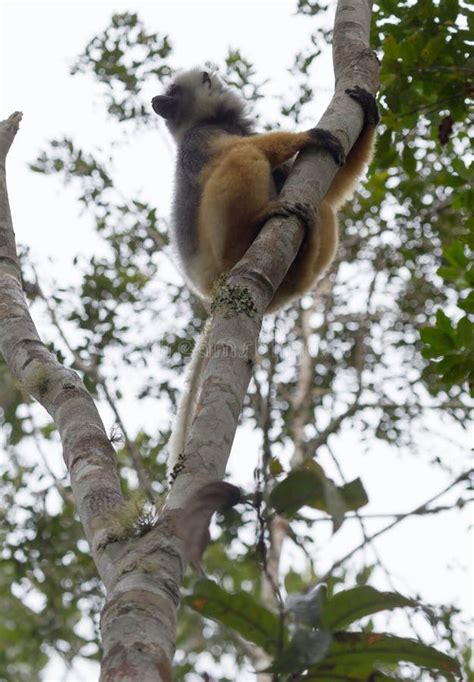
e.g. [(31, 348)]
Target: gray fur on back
[(191, 159)]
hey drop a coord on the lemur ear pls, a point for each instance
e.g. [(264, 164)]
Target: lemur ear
[(165, 106), (206, 78)]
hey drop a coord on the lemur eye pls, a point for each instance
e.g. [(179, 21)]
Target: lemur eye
[(173, 90), (206, 78)]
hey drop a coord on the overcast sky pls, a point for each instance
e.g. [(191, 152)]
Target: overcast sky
[(39, 42)]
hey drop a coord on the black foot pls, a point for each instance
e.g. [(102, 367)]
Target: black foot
[(286, 209), (368, 104), (329, 142)]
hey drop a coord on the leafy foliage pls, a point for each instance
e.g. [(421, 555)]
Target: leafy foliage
[(309, 485), (450, 345), (359, 654), (318, 645), (239, 611), (350, 605), (122, 58)]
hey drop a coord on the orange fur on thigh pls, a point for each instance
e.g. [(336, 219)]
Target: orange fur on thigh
[(233, 195), (236, 187), (315, 255)]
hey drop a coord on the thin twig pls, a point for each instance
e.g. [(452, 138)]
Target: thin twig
[(400, 517), (418, 510)]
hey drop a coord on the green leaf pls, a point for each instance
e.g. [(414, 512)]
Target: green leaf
[(302, 486), (467, 304), (308, 485), (349, 605), (436, 338), (449, 9), (390, 49), (457, 373), (325, 676), (354, 495), (362, 577), (275, 466), (443, 322), (454, 253), (408, 160), (450, 273), (294, 582), (432, 49), (238, 611), (361, 653), (464, 332)]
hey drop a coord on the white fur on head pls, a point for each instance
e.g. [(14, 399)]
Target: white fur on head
[(206, 99)]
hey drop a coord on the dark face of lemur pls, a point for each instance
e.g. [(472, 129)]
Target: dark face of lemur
[(194, 97)]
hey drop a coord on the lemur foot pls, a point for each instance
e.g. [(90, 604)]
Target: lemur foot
[(286, 209), (330, 143), (368, 104)]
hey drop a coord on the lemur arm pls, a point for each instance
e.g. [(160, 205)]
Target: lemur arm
[(280, 146)]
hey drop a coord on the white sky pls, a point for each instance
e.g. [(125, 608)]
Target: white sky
[(39, 42)]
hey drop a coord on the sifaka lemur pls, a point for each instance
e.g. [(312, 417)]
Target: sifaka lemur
[(227, 183)]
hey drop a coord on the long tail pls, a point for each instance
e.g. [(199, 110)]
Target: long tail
[(182, 424)]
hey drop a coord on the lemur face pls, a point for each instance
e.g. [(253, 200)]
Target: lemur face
[(194, 96), (186, 96), (167, 105)]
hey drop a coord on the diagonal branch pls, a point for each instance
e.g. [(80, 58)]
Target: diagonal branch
[(142, 574), (92, 371), (88, 454)]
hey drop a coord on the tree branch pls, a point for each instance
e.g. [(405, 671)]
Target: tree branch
[(142, 574), (93, 372), (88, 454)]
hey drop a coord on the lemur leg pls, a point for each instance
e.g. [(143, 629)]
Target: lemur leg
[(275, 146), (285, 209), (319, 247), (345, 181), (280, 146), (236, 197), (315, 255), (235, 192)]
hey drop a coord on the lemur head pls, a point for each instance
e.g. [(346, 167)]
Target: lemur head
[(197, 96)]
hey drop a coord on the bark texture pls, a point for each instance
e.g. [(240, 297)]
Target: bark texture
[(143, 575), (87, 451)]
